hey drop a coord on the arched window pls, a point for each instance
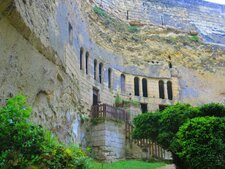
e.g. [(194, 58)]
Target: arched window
[(161, 90), (81, 58), (123, 83), (100, 72), (169, 90), (136, 86), (109, 78), (95, 69), (145, 87), (87, 60)]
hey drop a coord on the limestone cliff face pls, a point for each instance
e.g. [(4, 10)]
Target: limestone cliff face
[(33, 50), (40, 44), (201, 66), (187, 15)]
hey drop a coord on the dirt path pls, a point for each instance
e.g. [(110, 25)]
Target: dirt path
[(168, 167)]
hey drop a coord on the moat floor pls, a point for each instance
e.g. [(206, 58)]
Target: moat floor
[(168, 167)]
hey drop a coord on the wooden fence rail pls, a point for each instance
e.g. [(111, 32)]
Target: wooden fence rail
[(153, 149), (109, 112)]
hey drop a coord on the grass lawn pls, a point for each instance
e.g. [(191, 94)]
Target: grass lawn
[(128, 165)]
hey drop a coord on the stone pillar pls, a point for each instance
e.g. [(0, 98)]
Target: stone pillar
[(165, 89)]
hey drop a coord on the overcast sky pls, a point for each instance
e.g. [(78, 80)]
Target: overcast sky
[(217, 1)]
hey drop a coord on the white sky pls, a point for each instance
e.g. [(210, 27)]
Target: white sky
[(217, 1)]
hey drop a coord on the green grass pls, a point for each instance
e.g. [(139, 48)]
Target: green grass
[(128, 165)]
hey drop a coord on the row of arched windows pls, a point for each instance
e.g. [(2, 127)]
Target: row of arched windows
[(98, 75), (98, 68), (145, 87)]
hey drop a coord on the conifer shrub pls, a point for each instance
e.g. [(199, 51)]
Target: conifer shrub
[(25, 145)]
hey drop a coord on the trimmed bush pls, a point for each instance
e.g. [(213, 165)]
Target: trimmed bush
[(171, 119), (202, 143)]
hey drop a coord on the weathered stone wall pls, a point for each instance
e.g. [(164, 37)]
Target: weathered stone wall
[(108, 141), (52, 94), (192, 15), (44, 64)]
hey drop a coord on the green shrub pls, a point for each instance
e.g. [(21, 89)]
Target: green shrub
[(171, 119), (133, 29), (147, 126), (99, 11), (212, 109), (118, 100), (25, 145), (202, 142), (194, 38), (162, 127)]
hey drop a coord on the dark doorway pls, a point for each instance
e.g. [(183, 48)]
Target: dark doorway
[(95, 96), (144, 107), (162, 107)]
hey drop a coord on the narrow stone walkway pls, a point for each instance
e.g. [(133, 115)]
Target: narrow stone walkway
[(172, 166)]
